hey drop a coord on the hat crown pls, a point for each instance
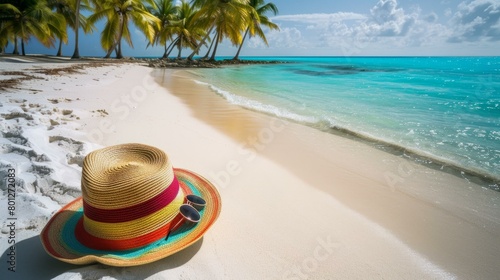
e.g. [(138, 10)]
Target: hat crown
[(124, 175), (129, 193)]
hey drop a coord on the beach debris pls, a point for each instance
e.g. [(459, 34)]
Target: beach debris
[(46, 112), (12, 83), (73, 69), (58, 100), (66, 112), (185, 63), (54, 123), (13, 100), (15, 115), (13, 73), (103, 112)]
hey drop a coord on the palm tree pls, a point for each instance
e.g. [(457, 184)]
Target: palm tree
[(4, 37), (188, 31), (67, 8), (227, 17), (166, 12), (24, 19), (61, 7), (255, 24), (6, 10), (118, 14), (76, 52)]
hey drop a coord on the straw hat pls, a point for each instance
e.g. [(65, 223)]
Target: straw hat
[(131, 196)]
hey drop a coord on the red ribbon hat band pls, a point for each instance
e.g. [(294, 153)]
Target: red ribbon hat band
[(133, 212)]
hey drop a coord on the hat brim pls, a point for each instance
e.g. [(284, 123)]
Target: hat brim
[(58, 236)]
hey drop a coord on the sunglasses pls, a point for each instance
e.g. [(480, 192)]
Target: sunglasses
[(190, 211)]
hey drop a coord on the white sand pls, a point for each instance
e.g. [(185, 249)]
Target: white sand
[(297, 203)]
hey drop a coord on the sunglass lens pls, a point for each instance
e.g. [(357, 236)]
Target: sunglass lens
[(195, 199), (190, 213)]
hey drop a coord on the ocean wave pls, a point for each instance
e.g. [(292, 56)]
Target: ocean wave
[(259, 106), (330, 125), (459, 168)]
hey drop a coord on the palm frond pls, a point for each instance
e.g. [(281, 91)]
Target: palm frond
[(109, 33)]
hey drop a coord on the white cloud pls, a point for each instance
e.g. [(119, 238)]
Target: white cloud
[(476, 21), (386, 19), (387, 28), (387, 24), (320, 18), (389, 20), (386, 11), (285, 38)]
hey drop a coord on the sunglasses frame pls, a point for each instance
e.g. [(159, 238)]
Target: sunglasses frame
[(196, 201)]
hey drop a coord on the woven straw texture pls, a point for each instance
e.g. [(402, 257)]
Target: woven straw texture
[(111, 176), (60, 235)]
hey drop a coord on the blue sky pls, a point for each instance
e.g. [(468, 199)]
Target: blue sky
[(355, 27)]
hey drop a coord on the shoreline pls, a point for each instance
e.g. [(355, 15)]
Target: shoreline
[(418, 157), (287, 189), (404, 180), (427, 160), (485, 177)]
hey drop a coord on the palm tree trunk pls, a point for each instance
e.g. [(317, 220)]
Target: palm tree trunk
[(76, 53), (241, 45), (22, 47), (118, 52), (16, 49), (109, 52), (172, 46), (59, 51), (122, 25), (215, 48), (165, 52), (169, 51), (209, 49), (190, 57), (179, 46)]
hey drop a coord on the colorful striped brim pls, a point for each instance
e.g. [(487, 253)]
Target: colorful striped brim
[(127, 223)]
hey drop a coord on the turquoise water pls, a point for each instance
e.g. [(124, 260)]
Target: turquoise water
[(444, 109)]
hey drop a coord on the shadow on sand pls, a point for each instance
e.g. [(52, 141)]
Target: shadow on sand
[(32, 262)]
